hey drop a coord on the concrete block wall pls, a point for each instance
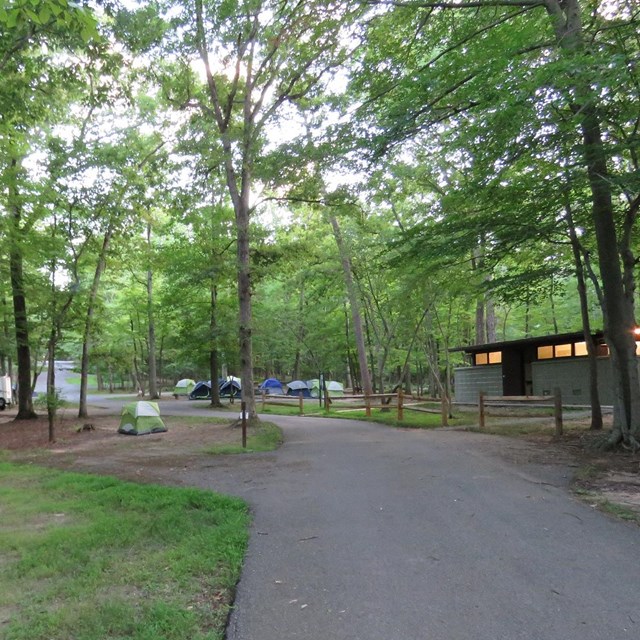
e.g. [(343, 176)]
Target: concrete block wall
[(469, 381), (571, 375)]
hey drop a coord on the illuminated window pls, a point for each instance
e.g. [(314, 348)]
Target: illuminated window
[(482, 358), (580, 348), (563, 350), (638, 348), (544, 353), (495, 357)]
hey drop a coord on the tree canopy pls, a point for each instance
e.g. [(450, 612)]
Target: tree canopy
[(266, 188)]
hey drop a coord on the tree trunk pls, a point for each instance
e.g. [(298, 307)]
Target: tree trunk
[(552, 301), (88, 323), (592, 355), (25, 398), (244, 301), (618, 310), (99, 378), (153, 378), (213, 353), (25, 401), (490, 313), (5, 360), (52, 400), (137, 376), (355, 307)]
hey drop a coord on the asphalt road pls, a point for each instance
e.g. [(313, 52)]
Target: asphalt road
[(362, 532)]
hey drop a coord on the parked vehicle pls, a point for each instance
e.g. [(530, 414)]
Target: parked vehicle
[(6, 393)]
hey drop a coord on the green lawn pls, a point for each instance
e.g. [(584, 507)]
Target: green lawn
[(265, 437), (92, 381), (90, 557)]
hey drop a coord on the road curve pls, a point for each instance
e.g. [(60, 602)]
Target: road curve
[(363, 532)]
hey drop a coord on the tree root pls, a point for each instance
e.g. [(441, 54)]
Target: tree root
[(616, 440)]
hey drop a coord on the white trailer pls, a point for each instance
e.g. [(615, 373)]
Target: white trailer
[(6, 393)]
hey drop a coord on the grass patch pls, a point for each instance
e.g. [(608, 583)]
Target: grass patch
[(265, 437), (618, 510), (91, 557), (411, 419), (285, 410), (605, 505), (92, 380)]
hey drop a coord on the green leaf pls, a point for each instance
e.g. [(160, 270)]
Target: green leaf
[(33, 15), (88, 32), (12, 18), (44, 14)]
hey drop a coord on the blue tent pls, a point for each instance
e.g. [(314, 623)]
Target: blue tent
[(230, 387), (272, 386), (296, 386), (201, 391)]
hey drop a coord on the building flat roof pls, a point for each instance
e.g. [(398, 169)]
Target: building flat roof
[(557, 338)]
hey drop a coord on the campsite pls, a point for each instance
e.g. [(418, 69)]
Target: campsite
[(319, 320)]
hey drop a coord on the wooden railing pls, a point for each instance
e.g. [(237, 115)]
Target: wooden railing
[(383, 401), (485, 400)]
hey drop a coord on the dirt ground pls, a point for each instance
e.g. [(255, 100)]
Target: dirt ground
[(98, 446), (612, 477)]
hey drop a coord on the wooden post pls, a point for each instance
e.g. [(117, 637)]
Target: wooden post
[(367, 406), (264, 400), (243, 408), (400, 407), (557, 411), (445, 411), (481, 410), (327, 401), (301, 402)]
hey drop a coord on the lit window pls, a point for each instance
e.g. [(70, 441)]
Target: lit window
[(638, 348), (563, 351), (580, 348), (495, 357), (482, 358), (544, 353)]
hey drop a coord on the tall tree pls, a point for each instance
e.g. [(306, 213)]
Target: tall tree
[(549, 69), (32, 92), (259, 58)]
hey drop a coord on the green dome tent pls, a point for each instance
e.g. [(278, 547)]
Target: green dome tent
[(184, 387), (335, 389), (139, 418), (314, 387)]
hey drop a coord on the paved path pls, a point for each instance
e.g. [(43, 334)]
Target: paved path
[(362, 532)]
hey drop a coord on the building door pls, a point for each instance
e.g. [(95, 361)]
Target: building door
[(512, 373)]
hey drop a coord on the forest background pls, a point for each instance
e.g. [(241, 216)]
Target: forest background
[(195, 188)]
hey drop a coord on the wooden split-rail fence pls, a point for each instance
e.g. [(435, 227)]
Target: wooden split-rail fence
[(485, 401), (383, 401)]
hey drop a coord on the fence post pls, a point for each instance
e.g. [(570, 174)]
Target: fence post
[(264, 400), (400, 407), (243, 408), (481, 410), (367, 406), (557, 410), (445, 410), (301, 402)]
